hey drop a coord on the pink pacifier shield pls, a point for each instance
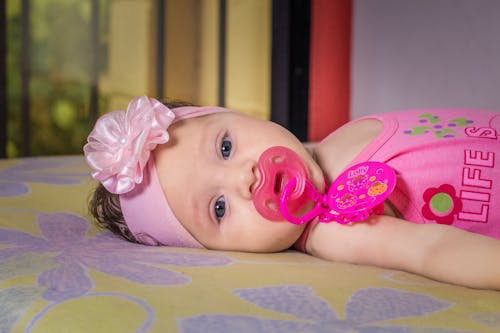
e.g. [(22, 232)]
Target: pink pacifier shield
[(277, 166), (360, 190)]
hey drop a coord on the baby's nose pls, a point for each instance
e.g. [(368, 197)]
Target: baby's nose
[(245, 179)]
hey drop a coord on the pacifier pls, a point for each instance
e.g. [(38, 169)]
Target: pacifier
[(284, 188), (278, 166)]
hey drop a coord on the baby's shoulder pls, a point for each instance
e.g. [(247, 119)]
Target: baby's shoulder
[(338, 149)]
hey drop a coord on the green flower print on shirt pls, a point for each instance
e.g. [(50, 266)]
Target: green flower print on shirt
[(431, 123)]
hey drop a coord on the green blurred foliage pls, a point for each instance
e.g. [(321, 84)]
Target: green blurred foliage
[(60, 78)]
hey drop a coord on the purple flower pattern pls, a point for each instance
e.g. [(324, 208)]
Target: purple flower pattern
[(64, 253), (64, 239), (368, 310), (13, 179), (490, 319), (15, 302)]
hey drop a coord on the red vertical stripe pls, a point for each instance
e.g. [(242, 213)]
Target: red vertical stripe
[(329, 73)]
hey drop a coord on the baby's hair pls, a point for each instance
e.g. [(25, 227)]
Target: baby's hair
[(105, 206)]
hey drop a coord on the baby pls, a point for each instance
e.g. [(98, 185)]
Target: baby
[(188, 176)]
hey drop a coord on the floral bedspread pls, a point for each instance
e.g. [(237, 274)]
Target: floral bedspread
[(60, 273)]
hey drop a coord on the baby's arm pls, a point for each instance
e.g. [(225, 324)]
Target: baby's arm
[(439, 252)]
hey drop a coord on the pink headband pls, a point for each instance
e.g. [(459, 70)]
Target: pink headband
[(119, 150)]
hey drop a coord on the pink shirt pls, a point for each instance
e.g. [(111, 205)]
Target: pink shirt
[(447, 165)]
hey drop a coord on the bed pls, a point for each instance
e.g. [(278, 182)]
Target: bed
[(60, 273)]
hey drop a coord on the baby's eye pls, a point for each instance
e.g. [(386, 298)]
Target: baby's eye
[(220, 208), (225, 147)]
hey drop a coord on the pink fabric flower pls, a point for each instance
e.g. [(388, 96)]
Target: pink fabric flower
[(121, 142)]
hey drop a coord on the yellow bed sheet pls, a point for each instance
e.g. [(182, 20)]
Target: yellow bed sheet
[(60, 273)]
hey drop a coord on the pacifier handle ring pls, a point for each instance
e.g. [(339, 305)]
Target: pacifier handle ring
[(314, 195)]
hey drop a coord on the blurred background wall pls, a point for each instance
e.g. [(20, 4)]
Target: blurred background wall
[(68, 61), (310, 65), (425, 54)]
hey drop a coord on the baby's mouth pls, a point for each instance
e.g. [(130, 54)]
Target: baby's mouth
[(276, 167)]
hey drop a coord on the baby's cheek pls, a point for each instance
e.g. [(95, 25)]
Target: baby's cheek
[(262, 235), (283, 235)]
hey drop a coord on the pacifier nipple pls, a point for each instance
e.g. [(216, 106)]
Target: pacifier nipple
[(277, 167)]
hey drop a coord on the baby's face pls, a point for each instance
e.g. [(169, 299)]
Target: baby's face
[(208, 171)]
